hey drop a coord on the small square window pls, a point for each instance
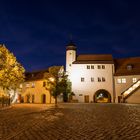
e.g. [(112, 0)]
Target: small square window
[(103, 66), (88, 66), (27, 85), (99, 79), (103, 79), (119, 81), (92, 66), (92, 79), (134, 80), (99, 67), (123, 80), (82, 79)]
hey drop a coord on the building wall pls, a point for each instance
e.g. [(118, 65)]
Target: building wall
[(120, 87), (134, 98), (37, 90), (87, 87)]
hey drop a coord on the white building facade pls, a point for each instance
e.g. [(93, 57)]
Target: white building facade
[(95, 78)]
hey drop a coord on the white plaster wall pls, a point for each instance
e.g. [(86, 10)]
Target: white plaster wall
[(120, 87), (87, 87), (134, 98)]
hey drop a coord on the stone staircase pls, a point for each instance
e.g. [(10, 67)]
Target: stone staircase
[(129, 91)]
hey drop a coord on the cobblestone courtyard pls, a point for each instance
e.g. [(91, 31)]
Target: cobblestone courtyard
[(70, 122)]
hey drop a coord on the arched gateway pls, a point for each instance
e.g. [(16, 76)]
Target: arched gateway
[(102, 96)]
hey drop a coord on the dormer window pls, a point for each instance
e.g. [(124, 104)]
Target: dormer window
[(129, 67)]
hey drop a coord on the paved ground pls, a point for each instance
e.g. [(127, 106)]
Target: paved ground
[(71, 122)]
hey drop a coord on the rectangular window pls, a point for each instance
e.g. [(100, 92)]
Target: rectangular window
[(44, 84), (92, 79), (99, 67), (119, 81), (88, 66), (123, 80), (33, 85), (92, 66), (103, 66), (99, 79), (103, 79), (27, 85), (82, 79), (134, 80)]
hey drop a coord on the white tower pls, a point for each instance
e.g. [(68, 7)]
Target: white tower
[(70, 57)]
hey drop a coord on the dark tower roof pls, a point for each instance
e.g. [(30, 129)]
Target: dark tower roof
[(71, 46)]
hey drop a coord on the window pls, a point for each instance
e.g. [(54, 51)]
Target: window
[(20, 86), (27, 85), (92, 66), (103, 79), (123, 80), (82, 79), (88, 66), (92, 79), (119, 81), (70, 53), (99, 67), (44, 84), (70, 65), (33, 85), (99, 79), (129, 67), (134, 80), (103, 66)]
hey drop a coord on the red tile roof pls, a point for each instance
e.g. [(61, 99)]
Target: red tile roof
[(122, 66)]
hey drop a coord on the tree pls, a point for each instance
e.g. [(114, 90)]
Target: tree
[(11, 72), (56, 81)]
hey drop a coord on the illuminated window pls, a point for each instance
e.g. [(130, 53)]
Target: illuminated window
[(103, 79), (129, 67), (20, 85), (99, 79), (103, 66), (123, 80), (134, 80), (82, 79), (33, 85), (92, 79), (27, 85), (99, 67), (119, 81), (92, 66), (88, 66)]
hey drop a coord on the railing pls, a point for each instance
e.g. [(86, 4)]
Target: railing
[(129, 91)]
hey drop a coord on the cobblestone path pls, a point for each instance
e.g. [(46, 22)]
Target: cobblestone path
[(71, 122)]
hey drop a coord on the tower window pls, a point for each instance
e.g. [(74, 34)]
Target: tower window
[(88, 66), (82, 79), (92, 79)]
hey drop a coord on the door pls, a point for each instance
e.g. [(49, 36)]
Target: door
[(86, 98)]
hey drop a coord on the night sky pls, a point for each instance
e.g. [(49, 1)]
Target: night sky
[(37, 31)]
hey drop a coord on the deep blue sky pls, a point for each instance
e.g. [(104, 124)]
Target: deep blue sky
[(36, 31)]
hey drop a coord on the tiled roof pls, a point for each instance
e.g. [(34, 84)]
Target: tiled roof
[(95, 59), (127, 66), (36, 75)]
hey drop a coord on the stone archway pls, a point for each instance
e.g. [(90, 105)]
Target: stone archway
[(102, 96), (43, 98)]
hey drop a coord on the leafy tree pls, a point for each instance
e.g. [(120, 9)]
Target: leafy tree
[(56, 81), (11, 72)]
